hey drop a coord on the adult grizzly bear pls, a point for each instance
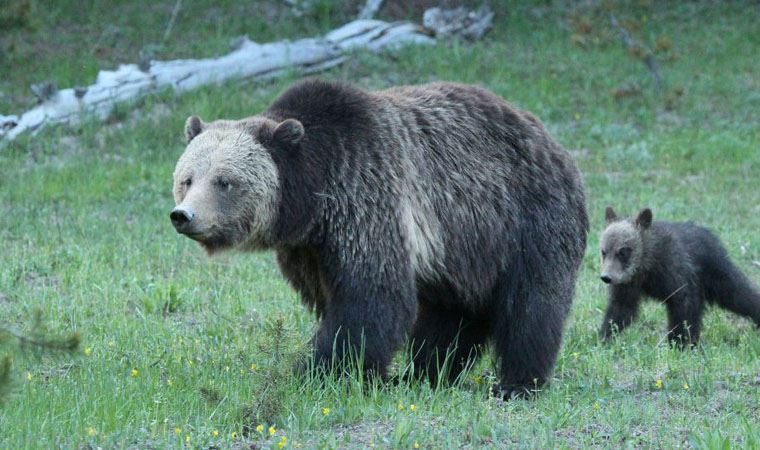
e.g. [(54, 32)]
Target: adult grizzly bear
[(438, 211)]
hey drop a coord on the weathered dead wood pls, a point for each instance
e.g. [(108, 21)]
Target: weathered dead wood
[(370, 9), (247, 60), (458, 22)]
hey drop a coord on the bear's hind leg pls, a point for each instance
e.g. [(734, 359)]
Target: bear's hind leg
[(732, 290), (445, 341), (685, 311), (528, 334)]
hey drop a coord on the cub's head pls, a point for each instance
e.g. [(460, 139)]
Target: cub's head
[(622, 246), (226, 183)]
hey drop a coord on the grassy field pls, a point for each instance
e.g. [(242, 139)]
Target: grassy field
[(179, 350)]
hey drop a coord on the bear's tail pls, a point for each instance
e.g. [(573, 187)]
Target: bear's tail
[(736, 293)]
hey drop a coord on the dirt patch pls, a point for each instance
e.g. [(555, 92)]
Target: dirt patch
[(36, 281)]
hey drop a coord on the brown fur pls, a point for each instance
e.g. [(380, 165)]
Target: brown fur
[(438, 211), (682, 265)]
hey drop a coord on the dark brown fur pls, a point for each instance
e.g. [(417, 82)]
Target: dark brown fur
[(681, 264), (436, 211)]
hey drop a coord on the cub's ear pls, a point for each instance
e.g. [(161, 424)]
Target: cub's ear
[(193, 127), (609, 215), (288, 132), (644, 219)]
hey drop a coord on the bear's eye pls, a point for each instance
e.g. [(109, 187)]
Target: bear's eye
[(604, 253), (624, 253), (187, 182), (223, 183)]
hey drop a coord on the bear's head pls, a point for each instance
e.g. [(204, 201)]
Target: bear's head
[(622, 246), (226, 183)]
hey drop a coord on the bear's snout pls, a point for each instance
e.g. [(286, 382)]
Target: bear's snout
[(181, 218)]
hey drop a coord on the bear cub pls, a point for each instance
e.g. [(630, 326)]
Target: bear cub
[(681, 264)]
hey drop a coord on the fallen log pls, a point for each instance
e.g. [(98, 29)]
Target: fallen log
[(248, 60)]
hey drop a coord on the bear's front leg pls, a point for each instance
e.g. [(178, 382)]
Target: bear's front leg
[(622, 309), (371, 306)]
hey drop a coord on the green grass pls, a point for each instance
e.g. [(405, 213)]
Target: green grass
[(88, 244)]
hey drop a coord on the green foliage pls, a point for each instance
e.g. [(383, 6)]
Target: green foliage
[(16, 14), (178, 348), (5, 376), (37, 340)]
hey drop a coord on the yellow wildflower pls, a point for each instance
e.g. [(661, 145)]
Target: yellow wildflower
[(658, 383), (233, 435), (412, 407), (177, 431), (272, 430), (686, 386), (477, 379), (401, 406), (169, 382), (88, 351), (29, 376), (416, 444), (576, 355), (187, 438), (91, 431), (325, 411), (259, 428), (215, 433), (134, 373), (283, 442), (254, 367)]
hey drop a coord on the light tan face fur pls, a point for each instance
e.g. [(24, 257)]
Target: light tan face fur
[(229, 182), (621, 252)]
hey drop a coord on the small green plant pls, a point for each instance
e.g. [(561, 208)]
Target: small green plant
[(37, 340), (16, 14), (5, 376), (274, 375)]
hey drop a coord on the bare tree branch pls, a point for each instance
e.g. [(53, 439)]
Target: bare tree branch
[(370, 9), (647, 57), (172, 19)]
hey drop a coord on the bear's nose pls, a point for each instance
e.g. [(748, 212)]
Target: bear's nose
[(180, 217), (606, 279)]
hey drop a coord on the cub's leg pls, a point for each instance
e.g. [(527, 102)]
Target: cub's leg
[(622, 309), (685, 309)]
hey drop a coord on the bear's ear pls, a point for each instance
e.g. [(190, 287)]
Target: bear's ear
[(644, 219), (193, 127), (609, 215), (288, 132)]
